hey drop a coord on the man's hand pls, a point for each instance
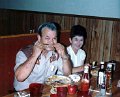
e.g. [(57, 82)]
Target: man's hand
[(37, 48), (60, 49)]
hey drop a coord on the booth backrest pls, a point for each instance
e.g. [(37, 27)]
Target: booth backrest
[(9, 46)]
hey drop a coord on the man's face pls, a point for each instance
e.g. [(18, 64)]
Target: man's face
[(48, 37), (77, 42)]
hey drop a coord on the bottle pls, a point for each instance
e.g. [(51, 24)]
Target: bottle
[(112, 65), (109, 76), (103, 86), (85, 82), (113, 62), (94, 64), (101, 73)]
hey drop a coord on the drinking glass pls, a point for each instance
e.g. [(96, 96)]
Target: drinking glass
[(36, 89), (62, 91)]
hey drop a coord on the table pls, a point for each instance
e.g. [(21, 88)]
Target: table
[(46, 91), (115, 89)]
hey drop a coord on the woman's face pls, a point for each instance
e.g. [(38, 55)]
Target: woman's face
[(77, 42)]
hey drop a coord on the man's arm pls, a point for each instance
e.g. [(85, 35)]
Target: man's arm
[(67, 67), (24, 70)]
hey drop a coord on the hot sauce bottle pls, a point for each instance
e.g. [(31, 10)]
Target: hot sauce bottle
[(85, 82), (109, 76)]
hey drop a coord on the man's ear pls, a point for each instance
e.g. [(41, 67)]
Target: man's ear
[(70, 40), (39, 37)]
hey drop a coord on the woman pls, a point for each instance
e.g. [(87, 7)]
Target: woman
[(77, 54)]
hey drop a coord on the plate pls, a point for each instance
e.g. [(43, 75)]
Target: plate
[(75, 77), (58, 80)]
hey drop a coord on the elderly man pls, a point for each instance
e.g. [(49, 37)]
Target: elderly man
[(38, 61)]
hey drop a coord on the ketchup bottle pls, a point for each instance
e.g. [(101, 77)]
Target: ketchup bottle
[(85, 82)]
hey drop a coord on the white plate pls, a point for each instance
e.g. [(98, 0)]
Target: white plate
[(58, 80), (75, 77)]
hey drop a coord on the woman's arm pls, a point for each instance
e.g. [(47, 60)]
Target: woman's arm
[(67, 67), (77, 69)]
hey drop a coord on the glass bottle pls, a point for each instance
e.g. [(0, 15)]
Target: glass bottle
[(103, 86), (94, 64), (85, 82), (101, 73), (109, 76), (102, 92)]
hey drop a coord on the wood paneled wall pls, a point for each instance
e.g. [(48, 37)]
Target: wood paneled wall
[(103, 41)]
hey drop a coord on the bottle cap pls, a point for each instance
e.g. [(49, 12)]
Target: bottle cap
[(101, 62), (86, 69)]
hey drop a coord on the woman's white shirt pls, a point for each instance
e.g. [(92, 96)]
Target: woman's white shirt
[(77, 59)]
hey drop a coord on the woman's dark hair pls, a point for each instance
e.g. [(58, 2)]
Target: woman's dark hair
[(78, 30), (49, 25), (58, 30)]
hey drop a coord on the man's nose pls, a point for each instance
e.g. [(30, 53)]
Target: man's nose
[(51, 42)]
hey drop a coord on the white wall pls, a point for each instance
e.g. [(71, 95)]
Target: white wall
[(100, 8)]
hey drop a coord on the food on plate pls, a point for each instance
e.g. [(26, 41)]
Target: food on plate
[(58, 80), (53, 90), (74, 77)]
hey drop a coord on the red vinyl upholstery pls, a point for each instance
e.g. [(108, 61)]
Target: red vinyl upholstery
[(9, 46)]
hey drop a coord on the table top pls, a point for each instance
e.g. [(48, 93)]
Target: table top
[(46, 91), (115, 89)]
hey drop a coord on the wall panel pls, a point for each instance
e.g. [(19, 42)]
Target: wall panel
[(103, 33)]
